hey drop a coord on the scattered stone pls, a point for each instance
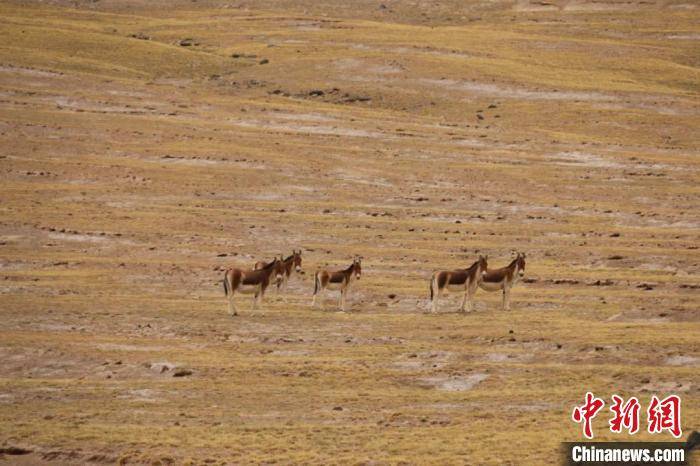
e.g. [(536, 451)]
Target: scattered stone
[(606, 282), (453, 384), (14, 451), (189, 42), (140, 36), (565, 281), (182, 373), (683, 361), (161, 367)]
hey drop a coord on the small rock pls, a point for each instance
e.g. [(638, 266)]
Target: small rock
[(14, 451), (140, 36), (606, 282), (161, 367)]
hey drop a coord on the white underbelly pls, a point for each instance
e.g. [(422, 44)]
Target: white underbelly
[(248, 289), (491, 286), (334, 286), (455, 287)]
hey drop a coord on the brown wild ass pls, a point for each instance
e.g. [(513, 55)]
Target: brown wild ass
[(504, 278), (251, 281), (339, 280), (465, 280), (289, 265), (262, 264)]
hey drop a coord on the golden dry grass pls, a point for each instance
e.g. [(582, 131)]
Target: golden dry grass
[(130, 167)]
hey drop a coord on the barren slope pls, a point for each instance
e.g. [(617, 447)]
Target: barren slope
[(134, 170)]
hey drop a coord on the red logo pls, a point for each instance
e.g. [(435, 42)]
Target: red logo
[(626, 416), (665, 415), (587, 412), (662, 415)]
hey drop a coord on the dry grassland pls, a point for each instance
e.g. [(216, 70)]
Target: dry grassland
[(417, 134)]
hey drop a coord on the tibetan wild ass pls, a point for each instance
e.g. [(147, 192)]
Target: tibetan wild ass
[(251, 282), (463, 280), (339, 280), (504, 278)]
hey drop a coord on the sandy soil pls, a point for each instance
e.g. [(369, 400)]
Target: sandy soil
[(135, 170)]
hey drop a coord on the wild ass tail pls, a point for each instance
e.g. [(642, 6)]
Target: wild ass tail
[(432, 286), (316, 282), (226, 283)]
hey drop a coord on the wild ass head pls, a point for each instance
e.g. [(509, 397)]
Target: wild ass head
[(297, 260), (276, 268), (521, 264), (483, 266), (357, 267)]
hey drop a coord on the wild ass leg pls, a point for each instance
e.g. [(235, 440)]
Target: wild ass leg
[(317, 289), (470, 298), (436, 298), (231, 306), (341, 300), (434, 292), (464, 300), (506, 299), (257, 300)]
